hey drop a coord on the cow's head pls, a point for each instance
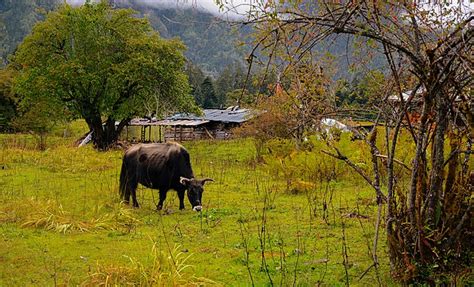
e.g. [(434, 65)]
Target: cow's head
[(195, 189)]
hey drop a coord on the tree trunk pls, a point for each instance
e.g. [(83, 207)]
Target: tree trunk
[(437, 160), (105, 135), (417, 163)]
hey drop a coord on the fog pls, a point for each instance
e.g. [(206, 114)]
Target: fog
[(209, 6)]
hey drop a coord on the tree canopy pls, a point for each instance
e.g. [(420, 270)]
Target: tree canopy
[(7, 99), (102, 64)]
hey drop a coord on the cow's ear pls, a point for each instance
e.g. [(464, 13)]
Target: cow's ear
[(206, 179), (184, 181)]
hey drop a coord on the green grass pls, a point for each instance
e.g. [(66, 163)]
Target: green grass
[(61, 221)]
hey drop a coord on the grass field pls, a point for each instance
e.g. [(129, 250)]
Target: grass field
[(299, 218)]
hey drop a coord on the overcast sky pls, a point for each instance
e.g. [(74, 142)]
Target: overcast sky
[(204, 5), (241, 5)]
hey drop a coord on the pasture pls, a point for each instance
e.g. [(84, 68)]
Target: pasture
[(298, 218)]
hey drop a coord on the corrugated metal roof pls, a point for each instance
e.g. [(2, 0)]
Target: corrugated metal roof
[(182, 122), (143, 122), (405, 95), (230, 115)]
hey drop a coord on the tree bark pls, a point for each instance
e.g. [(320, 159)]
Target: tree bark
[(437, 159), (417, 162)]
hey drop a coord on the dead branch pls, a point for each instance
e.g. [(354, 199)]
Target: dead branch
[(395, 160)]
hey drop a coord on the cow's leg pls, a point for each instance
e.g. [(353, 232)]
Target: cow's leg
[(124, 188), (181, 199), (134, 198), (133, 191), (162, 199), (126, 195)]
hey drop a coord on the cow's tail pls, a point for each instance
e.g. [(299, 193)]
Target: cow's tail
[(124, 190)]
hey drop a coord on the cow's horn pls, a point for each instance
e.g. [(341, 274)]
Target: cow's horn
[(184, 180), (207, 179)]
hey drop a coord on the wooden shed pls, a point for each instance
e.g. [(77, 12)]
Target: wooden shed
[(213, 124)]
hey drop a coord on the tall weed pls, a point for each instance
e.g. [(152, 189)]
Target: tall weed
[(164, 270), (49, 215)]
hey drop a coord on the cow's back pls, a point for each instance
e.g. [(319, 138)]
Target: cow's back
[(160, 165)]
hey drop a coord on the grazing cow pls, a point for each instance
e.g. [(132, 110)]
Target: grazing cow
[(161, 166)]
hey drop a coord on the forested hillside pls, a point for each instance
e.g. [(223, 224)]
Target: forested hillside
[(17, 17), (211, 42)]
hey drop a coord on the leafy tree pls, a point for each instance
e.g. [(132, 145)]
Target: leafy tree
[(195, 77), (207, 94), (243, 97), (275, 121), (291, 110), (39, 117), (102, 64), (232, 78), (430, 47), (3, 41), (362, 92), (8, 108)]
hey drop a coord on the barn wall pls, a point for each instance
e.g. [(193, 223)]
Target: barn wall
[(134, 134), (187, 133), (217, 131), (179, 133)]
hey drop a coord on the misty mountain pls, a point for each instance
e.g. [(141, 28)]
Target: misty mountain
[(212, 43), (17, 17)]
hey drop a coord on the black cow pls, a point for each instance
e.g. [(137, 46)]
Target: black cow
[(161, 166)]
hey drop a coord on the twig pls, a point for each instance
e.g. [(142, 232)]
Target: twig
[(395, 160), (366, 271), (262, 238), (298, 250), (376, 238), (344, 158), (345, 257), (247, 263)]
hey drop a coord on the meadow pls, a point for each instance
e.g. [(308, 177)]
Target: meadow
[(299, 218)]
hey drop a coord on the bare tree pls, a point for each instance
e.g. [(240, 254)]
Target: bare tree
[(428, 48)]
